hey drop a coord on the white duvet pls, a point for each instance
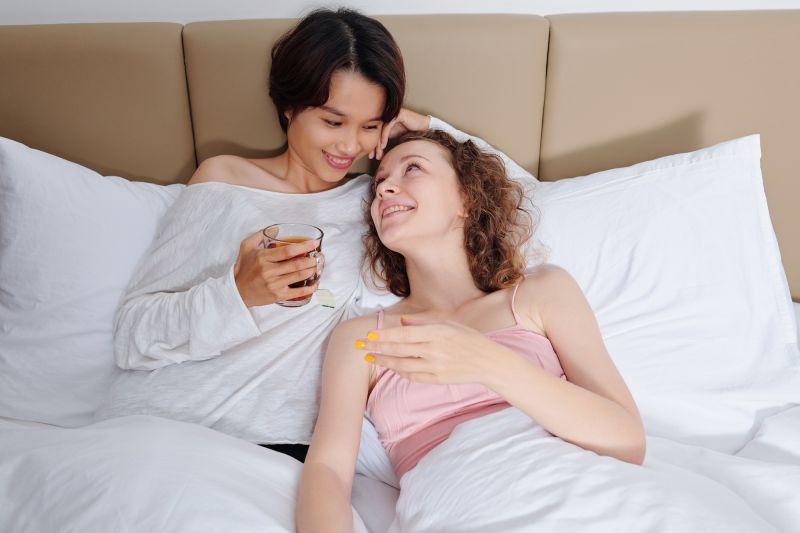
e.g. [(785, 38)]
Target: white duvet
[(142, 474), (499, 473), (504, 473)]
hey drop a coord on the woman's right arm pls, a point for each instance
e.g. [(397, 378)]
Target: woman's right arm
[(154, 327), (409, 120), (323, 503)]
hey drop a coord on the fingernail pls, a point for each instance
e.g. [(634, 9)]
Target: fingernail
[(369, 358), (372, 336), (360, 345)]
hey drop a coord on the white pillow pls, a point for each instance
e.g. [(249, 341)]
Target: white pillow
[(69, 241), (679, 261)]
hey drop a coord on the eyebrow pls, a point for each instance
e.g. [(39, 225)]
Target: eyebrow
[(338, 113), (415, 155), (403, 159)]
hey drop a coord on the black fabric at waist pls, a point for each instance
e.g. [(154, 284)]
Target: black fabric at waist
[(298, 451)]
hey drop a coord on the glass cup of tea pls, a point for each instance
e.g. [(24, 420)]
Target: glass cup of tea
[(283, 234)]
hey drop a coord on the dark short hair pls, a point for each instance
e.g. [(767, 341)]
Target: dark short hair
[(326, 41)]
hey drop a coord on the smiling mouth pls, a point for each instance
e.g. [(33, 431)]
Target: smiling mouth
[(389, 211), (339, 163)]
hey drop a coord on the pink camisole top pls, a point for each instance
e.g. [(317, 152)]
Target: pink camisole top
[(412, 418)]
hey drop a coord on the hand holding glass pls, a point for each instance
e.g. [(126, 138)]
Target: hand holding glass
[(283, 234)]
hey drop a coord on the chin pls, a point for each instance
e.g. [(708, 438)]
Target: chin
[(332, 176), (393, 242)]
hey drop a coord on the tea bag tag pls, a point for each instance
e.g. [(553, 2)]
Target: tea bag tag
[(326, 298)]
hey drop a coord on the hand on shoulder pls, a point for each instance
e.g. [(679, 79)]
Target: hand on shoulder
[(342, 353), (357, 327)]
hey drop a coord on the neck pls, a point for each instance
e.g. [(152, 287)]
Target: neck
[(439, 279), (299, 177)]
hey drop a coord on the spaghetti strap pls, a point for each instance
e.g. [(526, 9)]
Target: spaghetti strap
[(376, 372), (513, 307)]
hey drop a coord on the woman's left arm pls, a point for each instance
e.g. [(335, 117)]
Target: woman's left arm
[(593, 408)]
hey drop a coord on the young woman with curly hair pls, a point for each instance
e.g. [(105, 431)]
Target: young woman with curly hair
[(472, 334)]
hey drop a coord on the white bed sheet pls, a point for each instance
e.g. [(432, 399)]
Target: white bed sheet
[(142, 474), (150, 474), (502, 472)]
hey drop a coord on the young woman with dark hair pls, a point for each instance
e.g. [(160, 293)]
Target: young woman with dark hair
[(200, 329), (472, 334), (326, 43)]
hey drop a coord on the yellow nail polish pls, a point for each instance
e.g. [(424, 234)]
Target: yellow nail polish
[(360, 345), (372, 335), (369, 358)]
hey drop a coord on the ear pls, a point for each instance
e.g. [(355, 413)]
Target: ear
[(288, 114)]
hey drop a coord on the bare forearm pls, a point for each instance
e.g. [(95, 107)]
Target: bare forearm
[(323, 503), (568, 411)]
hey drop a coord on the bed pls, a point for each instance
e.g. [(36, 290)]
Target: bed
[(665, 146)]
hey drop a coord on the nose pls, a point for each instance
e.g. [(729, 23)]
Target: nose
[(386, 188), (348, 144)]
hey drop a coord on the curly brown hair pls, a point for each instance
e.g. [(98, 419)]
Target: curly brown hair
[(495, 229)]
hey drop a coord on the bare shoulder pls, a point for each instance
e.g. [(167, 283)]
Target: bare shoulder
[(358, 326), (235, 170), (342, 355), (547, 281), (546, 287), (347, 332), (220, 168)]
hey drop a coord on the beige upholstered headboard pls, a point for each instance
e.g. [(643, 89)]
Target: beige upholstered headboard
[(111, 97), (629, 87), (563, 95)]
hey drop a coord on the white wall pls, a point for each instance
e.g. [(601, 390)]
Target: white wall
[(52, 11)]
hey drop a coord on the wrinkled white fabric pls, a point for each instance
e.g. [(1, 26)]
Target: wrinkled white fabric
[(503, 472), (194, 351), (142, 474)]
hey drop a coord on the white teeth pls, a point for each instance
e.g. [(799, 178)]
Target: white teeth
[(395, 208), (339, 161)]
